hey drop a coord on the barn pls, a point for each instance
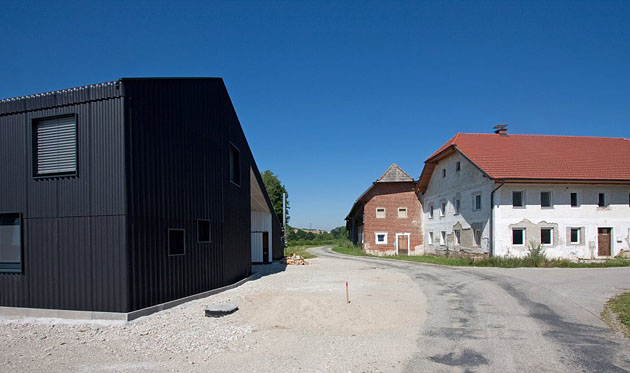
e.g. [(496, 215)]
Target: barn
[(119, 196)]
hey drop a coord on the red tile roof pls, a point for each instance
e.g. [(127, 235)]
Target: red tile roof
[(544, 157)]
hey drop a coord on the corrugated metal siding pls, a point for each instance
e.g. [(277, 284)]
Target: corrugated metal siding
[(178, 154), (65, 219), (261, 222)]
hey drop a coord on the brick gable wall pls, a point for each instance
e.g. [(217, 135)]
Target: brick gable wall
[(391, 196)]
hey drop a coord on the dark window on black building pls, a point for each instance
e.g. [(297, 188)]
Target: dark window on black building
[(203, 230), (55, 146), (235, 165), (10, 243), (176, 242)]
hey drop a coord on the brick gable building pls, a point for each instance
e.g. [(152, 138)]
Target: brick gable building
[(386, 218)]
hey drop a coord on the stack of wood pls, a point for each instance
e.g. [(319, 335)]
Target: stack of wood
[(295, 260)]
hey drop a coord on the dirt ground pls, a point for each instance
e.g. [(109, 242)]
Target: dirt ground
[(292, 320)]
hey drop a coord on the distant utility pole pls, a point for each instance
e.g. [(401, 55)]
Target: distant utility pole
[(284, 215)]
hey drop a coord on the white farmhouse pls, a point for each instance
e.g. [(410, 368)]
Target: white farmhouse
[(496, 193)]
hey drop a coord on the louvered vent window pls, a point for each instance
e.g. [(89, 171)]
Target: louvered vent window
[(55, 146)]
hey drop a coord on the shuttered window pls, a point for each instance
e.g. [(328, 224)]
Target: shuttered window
[(55, 146)]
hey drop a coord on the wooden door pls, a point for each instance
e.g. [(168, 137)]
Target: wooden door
[(265, 243), (403, 245), (603, 241)]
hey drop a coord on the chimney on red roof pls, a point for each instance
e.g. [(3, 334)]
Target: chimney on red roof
[(501, 129)]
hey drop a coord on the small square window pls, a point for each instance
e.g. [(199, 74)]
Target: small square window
[(443, 208), (602, 200), (518, 236), (458, 166), (431, 212), (546, 236), (574, 200), (444, 172), (457, 206), (380, 213), (545, 199), (176, 242), (380, 238), (575, 235), (235, 165), (203, 230), (430, 238), (442, 238), (517, 199), (477, 202), (402, 212)]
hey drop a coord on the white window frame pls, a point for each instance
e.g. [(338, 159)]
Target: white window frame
[(474, 202), (579, 235), (442, 238), (550, 236), (550, 199), (376, 234), (384, 213), (405, 210), (522, 236)]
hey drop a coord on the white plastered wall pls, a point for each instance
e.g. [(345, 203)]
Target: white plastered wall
[(260, 222)]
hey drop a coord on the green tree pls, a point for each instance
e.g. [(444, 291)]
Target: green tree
[(339, 232), (275, 189)]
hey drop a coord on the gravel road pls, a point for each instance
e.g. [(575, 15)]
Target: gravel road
[(295, 319), (508, 320)]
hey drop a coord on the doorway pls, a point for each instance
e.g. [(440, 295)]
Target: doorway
[(603, 241), (402, 243), (265, 247)]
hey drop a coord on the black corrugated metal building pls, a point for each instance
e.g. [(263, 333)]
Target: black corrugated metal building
[(123, 195)]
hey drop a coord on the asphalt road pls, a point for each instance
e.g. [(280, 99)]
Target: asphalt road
[(507, 320)]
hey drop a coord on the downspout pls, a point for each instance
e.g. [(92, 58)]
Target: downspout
[(491, 249)]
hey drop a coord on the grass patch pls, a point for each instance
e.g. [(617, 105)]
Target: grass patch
[(617, 313)]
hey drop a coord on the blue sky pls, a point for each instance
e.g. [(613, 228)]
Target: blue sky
[(330, 93)]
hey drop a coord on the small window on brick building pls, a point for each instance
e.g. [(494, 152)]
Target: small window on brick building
[(546, 236), (380, 238), (402, 212), (380, 213)]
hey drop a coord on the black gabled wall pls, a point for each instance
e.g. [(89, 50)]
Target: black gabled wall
[(178, 161), (73, 227)]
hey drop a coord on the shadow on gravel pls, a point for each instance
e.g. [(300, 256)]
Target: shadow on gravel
[(467, 358), (262, 270)]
